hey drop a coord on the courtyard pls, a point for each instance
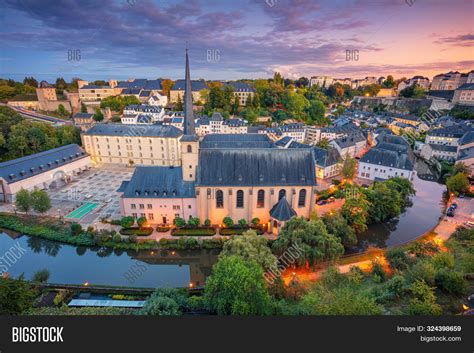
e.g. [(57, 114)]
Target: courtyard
[(94, 191)]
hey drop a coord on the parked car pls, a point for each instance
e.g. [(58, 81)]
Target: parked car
[(331, 199), (461, 196), (321, 202), (454, 205), (450, 212)]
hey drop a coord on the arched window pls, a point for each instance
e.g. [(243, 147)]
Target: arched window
[(240, 199), (302, 198), (190, 149), (281, 194), (261, 199), (219, 199)]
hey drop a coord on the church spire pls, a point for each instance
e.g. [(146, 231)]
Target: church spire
[(188, 102)]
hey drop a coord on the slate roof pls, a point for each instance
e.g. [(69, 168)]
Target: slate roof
[(236, 141), (83, 116), (132, 91), (445, 94), (158, 182), (283, 141), (391, 138), (142, 83), (95, 87), (466, 86), (466, 153), (282, 211), (390, 155), (179, 85), (240, 86), (134, 130), (444, 148), (234, 122), (35, 164), (455, 131), (256, 167), (350, 140), (467, 138), (325, 158)]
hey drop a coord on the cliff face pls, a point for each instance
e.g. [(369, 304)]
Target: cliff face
[(393, 105)]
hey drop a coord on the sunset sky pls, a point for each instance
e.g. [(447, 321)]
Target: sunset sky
[(146, 39)]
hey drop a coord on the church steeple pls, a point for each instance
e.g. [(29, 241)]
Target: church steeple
[(188, 102)]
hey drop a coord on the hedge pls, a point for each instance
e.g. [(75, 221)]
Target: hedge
[(136, 231), (193, 232), (239, 230)]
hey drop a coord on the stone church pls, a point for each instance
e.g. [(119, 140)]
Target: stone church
[(243, 176)]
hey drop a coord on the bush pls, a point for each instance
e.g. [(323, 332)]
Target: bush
[(422, 270), (162, 229), (117, 238), (451, 281), (207, 222), (197, 232), (228, 221), (193, 222), (141, 222), (255, 221), (443, 260), (76, 229), (127, 222), (398, 259), (214, 243), (242, 222), (423, 248), (41, 276), (179, 222), (378, 272)]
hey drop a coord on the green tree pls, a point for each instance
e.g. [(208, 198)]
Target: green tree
[(40, 201), (458, 183), (83, 108), (423, 301), (62, 110), (349, 167), (413, 91), (398, 259), (98, 116), (451, 281), (337, 225), (194, 222), (356, 211), (250, 246), (16, 296), (312, 240), (76, 229), (160, 305), (23, 201), (207, 222), (179, 104), (389, 82), (323, 143), (179, 222), (385, 202), (41, 276), (242, 222), (141, 221), (127, 221), (316, 111), (336, 294), (460, 168), (255, 221), (228, 222), (237, 287)]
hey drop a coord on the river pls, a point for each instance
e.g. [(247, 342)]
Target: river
[(70, 264)]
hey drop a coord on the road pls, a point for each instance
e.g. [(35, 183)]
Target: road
[(29, 114)]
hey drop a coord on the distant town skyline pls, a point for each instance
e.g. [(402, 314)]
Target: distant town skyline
[(234, 39)]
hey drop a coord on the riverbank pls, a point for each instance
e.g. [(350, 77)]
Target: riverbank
[(53, 229)]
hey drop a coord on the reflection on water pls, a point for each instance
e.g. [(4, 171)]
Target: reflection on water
[(70, 264), (422, 216)]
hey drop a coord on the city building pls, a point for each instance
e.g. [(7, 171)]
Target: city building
[(351, 145), (156, 113), (328, 162), (83, 121), (179, 87), (133, 144), (158, 100), (296, 131), (423, 82), (464, 94), (449, 81), (242, 176), (242, 90), (321, 81), (95, 93), (44, 170), (391, 157)]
